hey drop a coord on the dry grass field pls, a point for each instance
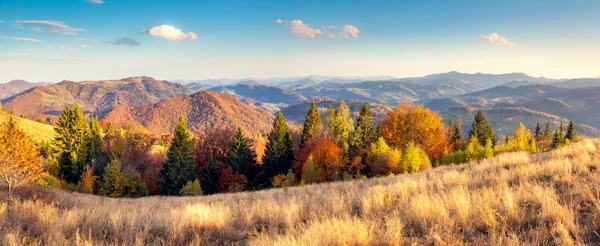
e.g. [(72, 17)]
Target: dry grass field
[(38, 131), (550, 198)]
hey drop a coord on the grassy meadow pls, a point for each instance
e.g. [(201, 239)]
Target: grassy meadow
[(38, 131), (518, 198)]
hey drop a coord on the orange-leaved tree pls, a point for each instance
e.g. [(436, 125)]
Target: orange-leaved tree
[(327, 157), (417, 124), (20, 160)]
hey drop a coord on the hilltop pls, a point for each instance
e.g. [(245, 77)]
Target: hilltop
[(13, 87), (203, 110), (514, 199), (38, 131)]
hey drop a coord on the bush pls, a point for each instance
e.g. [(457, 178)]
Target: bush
[(457, 157), (191, 189), (48, 181), (415, 159)]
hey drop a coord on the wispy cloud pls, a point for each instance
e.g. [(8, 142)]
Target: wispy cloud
[(126, 41), (497, 39), (95, 1), (89, 40), (48, 26), (298, 28), (21, 39), (1, 21), (170, 32), (83, 46), (350, 30)]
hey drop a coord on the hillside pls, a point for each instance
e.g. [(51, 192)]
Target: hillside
[(203, 110), (93, 96), (512, 199), (262, 93), (297, 113), (38, 131), (13, 87)]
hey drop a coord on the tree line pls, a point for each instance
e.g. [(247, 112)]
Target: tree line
[(88, 157)]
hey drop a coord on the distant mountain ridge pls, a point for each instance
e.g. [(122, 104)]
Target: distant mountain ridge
[(14, 87)]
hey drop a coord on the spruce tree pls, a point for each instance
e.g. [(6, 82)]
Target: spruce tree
[(570, 131), (209, 178), (547, 131), (456, 138), (312, 125), (71, 130), (279, 153), (96, 156), (538, 132), (179, 167), (340, 124), (364, 133), (240, 156), (482, 129)]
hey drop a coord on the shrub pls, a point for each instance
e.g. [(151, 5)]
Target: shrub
[(415, 159), (456, 157), (191, 189), (48, 181)]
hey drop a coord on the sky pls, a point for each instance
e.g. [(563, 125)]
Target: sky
[(55, 40)]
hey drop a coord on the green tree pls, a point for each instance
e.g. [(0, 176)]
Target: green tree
[(456, 138), (240, 157), (547, 132), (112, 180), (71, 131), (415, 159), (340, 124), (209, 177), (279, 153), (309, 176), (482, 129), (312, 125), (94, 147), (570, 131), (558, 140), (290, 179), (191, 188), (364, 133), (538, 132), (179, 167)]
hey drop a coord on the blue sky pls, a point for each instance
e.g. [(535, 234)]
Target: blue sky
[(53, 40)]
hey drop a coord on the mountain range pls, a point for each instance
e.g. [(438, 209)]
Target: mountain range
[(12, 88)]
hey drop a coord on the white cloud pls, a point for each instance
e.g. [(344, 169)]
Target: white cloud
[(298, 28), (96, 1), (170, 32), (82, 46), (497, 39), (50, 46), (28, 49), (48, 26), (350, 30), (61, 47), (21, 39)]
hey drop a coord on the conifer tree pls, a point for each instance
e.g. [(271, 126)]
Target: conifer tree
[(340, 124), (456, 138), (279, 153), (69, 144), (94, 146), (179, 167), (547, 131), (558, 140), (112, 184), (538, 132), (482, 129), (570, 131), (240, 157), (364, 133), (312, 125), (209, 177), (309, 175)]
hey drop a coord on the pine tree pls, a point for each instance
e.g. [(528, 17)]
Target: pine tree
[(482, 129), (112, 180), (312, 125), (558, 140), (209, 177), (69, 143), (538, 132), (179, 167), (340, 124), (309, 175), (456, 138), (364, 133), (570, 131), (95, 152), (279, 153), (240, 156), (547, 131)]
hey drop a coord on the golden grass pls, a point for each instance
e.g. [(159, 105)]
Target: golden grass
[(38, 131), (513, 199)]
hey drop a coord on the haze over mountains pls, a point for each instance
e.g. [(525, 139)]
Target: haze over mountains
[(155, 104)]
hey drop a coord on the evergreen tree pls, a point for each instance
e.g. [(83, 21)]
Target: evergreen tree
[(456, 138), (112, 184), (340, 124), (547, 131), (240, 157), (558, 140), (209, 177), (279, 153), (179, 167), (71, 131), (94, 146), (312, 125), (538, 132), (570, 131), (364, 133), (482, 129), (309, 175)]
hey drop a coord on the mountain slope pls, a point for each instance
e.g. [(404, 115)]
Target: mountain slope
[(14, 87), (296, 113), (262, 93), (93, 96), (38, 131), (203, 110)]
